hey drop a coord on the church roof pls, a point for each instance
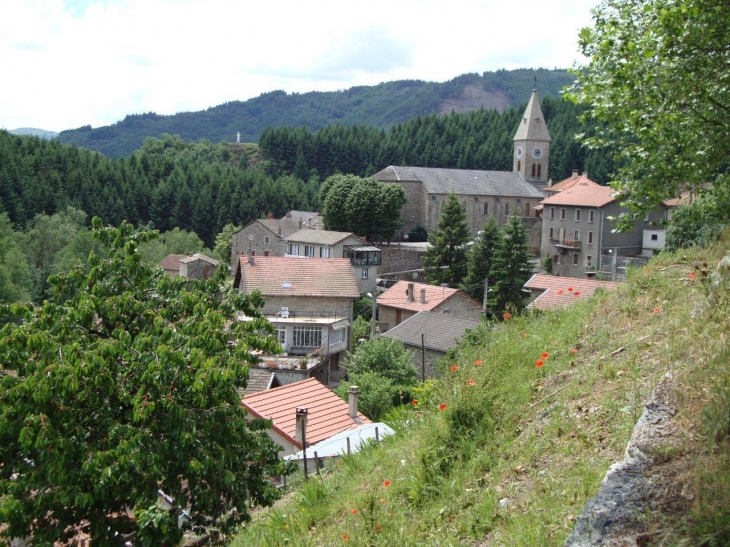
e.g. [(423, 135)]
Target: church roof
[(533, 126), (462, 181)]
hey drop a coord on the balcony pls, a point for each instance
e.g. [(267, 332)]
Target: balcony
[(565, 243)]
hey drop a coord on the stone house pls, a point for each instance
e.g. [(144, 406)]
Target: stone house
[(191, 266), (405, 299), (309, 302), (482, 193), (364, 258), (428, 336)]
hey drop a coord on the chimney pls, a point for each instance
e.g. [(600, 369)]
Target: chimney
[(409, 292), (550, 182), (301, 223), (575, 174), (288, 215), (249, 256), (423, 296), (353, 393), (190, 254), (585, 174), (301, 430), (270, 215)]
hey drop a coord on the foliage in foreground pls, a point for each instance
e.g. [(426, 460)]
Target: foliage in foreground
[(506, 448), (125, 383)]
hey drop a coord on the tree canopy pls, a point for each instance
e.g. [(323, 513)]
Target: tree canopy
[(657, 86), (510, 268), (122, 384), (445, 261), (480, 258)]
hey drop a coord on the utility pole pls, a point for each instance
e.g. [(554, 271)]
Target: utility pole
[(486, 290), (372, 319)]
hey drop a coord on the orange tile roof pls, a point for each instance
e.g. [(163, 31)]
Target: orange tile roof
[(283, 276), (569, 183), (396, 296), (172, 262), (563, 291), (327, 413), (582, 194)]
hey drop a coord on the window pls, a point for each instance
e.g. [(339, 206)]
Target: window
[(506, 208), (589, 261), (266, 253), (533, 170), (324, 252), (253, 252), (338, 335), (577, 215), (486, 208), (539, 170), (307, 336), (293, 249), (551, 234), (576, 235), (590, 215), (527, 209), (433, 198), (364, 274), (476, 199), (575, 259), (655, 237), (519, 165), (309, 250), (281, 335), (267, 239), (556, 259), (590, 237), (562, 213), (552, 212)]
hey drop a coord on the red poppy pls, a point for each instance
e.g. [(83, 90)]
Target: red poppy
[(560, 291), (692, 276), (545, 355), (386, 483), (506, 316), (443, 406), (353, 511), (454, 368), (573, 350), (471, 382), (414, 402), (539, 363), (576, 293), (377, 527), (656, 310), (478, 362), (345, 537), (524, 335)]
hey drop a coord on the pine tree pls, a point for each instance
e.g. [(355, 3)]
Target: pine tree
[(445, 261), (510, 268), (480, 259)]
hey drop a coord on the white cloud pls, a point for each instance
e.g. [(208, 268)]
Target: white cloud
[(79, 62)]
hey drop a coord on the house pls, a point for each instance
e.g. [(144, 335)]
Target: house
[(405, 299), (364, 258), (260, 380), (265, 236), (653, 237), (428, 336), (326, 414), (568, 183), (550, 292), (482, 193), (309, 302), (578, 235), (191, 266)]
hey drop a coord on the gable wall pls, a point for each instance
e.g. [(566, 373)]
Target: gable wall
[(255, 236)]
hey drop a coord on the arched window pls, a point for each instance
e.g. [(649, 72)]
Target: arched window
[(533, 170), (539, 170), (519, 165)]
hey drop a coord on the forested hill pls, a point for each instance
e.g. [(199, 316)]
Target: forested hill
[(380, 106)]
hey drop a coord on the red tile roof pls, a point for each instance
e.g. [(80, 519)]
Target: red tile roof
[(582, 194), (569, 183), (563, 291), (396, 296), (172, 262), (282, 276), (327, 413)]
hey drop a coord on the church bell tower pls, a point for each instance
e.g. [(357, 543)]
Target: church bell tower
[(532, 143)]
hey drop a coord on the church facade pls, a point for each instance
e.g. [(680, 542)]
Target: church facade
[(482, 193)]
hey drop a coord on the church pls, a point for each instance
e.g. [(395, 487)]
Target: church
[(483, 193)]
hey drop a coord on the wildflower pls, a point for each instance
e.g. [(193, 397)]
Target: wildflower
[(506, 316), (656, 310), (471, 382), (576, 293), (414, 402), (377, 527), (524, 335), (545, 355), (573, 350), (443, 406), (353, 511), (560, 291), (345, 537), (692, 276), (539, 363), (386, 483), (417, 416), (570, 289), (454, 368), (478, 362)]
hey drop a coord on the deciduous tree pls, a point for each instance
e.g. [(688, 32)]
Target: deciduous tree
[(123, 384)]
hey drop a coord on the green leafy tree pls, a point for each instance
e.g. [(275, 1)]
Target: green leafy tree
[(657, 82), (223, 242), (510, 268), (377, 393), (479, 259), (15, 278), (122, 384), (445, 260)]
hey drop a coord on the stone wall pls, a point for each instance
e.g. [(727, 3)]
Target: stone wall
[(397, 258), (257, 237)]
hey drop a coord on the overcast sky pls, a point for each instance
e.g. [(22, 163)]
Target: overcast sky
[(68, 63)]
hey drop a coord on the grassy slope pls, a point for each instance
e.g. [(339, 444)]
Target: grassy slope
[(540, 439)]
